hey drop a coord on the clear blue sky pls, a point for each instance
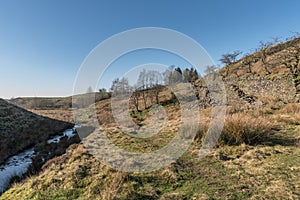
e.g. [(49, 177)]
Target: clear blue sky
[(44, 42)]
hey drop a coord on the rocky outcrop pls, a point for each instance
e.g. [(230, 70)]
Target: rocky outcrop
[(251, 90)]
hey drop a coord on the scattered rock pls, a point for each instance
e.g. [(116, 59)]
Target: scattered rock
[(223, 156), (172, 196), (258, 104), (277, 105)]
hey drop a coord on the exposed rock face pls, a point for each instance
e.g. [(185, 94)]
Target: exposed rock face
[(279, 88), (21, 129), (248, 80), (251, 90)]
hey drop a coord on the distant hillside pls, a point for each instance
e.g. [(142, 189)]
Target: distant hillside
[(48, 103)]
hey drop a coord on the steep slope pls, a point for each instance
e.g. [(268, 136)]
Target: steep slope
[(260, 79), (21, 129)]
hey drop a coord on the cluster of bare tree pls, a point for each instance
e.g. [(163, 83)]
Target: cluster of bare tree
[(147, 89), (148, 79), (271, 54), (146, 97), (150, 84), (120, 86), (288, 58), (151, 78)]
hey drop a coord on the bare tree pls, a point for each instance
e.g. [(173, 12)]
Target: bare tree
[(276, 40), (154, 78), (228, 59), (147, 85), (145, 97), (210, 71), (135, 98), (263, 52), (120, 86), (248, 61), (142, 79), (295, 35), (155, 91), (155, 82)]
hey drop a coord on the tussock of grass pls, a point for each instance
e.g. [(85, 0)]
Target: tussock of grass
[(241, 128), (244, 128)]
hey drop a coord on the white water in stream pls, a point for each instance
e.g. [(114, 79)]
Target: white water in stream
[(69, 133), (15, 166), (18, 165)]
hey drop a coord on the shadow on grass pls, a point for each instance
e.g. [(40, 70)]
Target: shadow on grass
[(277, 139)]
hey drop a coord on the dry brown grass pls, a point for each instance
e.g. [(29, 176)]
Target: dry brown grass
[(241, 128), (291, 108), (244, 128), (114, 187), (234, 109), (290, 114), (268, 100), (63, 115)]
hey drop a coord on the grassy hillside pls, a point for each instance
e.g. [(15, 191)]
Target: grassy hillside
[(256, 156), (266, 169), (21, 129), (44, 103)]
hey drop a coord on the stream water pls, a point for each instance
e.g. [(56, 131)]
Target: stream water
[(69, 133), (18, 165), (15, 166)]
